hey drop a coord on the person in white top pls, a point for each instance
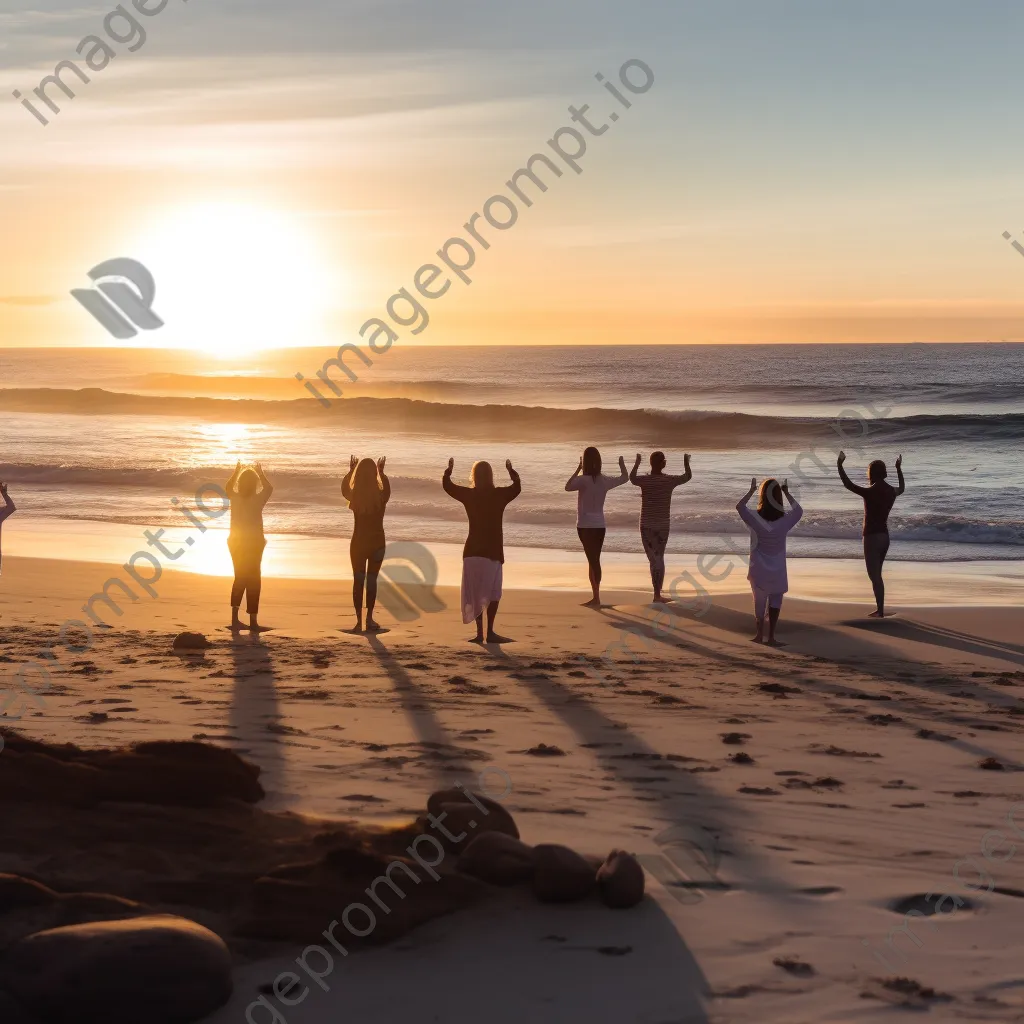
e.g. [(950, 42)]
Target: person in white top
[(769, 526), (591, 488), (8, 508)]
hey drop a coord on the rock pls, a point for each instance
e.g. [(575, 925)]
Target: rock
[(190, 642), (183, 773), (561, 875), (157, 970), (497, 858), (459, 815), (621, 880), (27, 907), (17, 893), (12, 1012)]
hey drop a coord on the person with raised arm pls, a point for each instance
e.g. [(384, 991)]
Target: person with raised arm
[(249, 490), (656, 512), (8, 509), (769, 526), (592, 487), (367, 490), (879, 497), (484, 553)]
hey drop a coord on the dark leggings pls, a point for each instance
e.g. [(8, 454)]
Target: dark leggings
[(592, 539), (876, 546), (367, 558), (247, 558)]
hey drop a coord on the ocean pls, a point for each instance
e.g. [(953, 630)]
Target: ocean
[(100, 440)]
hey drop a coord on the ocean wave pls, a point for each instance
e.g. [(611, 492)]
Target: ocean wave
[(650, 426)]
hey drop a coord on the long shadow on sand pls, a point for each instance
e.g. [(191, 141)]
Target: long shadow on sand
[(255, 715), (699, 805), (941, 636), (439, 746), (823, 643)]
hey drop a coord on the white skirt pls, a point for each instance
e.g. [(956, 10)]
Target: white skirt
[(481, 584)]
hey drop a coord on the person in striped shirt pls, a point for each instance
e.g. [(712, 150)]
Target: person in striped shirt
[(655, 512)]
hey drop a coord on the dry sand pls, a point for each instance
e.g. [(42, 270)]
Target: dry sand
[(864, 788)]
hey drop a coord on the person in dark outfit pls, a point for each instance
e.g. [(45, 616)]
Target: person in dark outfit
[(879, 498), (367, 490), (484, 553)]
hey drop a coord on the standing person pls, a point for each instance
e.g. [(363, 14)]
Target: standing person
[(769, 527), (484, 553), (248, 491), (367, 490), (591, 488), (879, 498), (9, 508), (655, 512)]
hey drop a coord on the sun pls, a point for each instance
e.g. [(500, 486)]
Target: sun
[(234, 277)]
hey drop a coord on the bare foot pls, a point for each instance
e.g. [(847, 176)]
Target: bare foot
[(373, 626), (255, 627), (497, 638), (876, 615), (757, 639), (236, 627), (774, 643), (478, 639), (594, 602)]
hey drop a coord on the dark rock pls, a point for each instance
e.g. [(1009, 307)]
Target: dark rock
[(185, 773), (497, 858), (27, 907), (621, 880), (17, 893), (302, 901), (561, 875), (458, 814), (160, 970), (190, 642), (12, 1012)]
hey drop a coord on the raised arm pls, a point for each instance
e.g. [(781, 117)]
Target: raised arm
[(385, 483), (899, 473), (687, 474), (622, 477), (573, 483), (346, 482), (267, 488), (232, 483), (795, 510), (847, 482), (632, 473), (742, 503), (458, 492), (517, 485), (9, 507)]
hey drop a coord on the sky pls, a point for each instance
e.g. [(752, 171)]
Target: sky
[(799, 170)]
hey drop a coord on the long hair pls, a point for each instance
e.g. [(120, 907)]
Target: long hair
[(367, 494), (247, 483), (592, 463), (769, 501), (877, 471), (482, 475)]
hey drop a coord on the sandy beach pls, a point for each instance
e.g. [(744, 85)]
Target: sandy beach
[(838, 780)]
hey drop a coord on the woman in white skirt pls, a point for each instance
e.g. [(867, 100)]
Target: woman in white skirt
[(769, 526), (484, 553)]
